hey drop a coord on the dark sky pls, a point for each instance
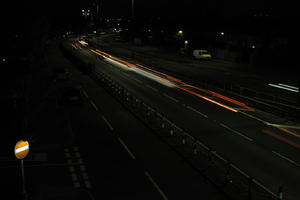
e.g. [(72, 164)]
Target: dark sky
[(19, 15)]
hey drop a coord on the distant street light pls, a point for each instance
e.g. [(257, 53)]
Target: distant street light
[(180, 32)]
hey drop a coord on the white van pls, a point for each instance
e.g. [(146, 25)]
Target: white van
[(202, 54)]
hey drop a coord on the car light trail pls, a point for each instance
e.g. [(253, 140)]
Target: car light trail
[(168, 80), (283, 139), (285, 87)]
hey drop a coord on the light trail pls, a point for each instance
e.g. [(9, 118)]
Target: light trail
[(283, 139), (169, 80)]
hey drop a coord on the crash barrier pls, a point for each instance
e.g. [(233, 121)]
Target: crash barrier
[(220, 171)]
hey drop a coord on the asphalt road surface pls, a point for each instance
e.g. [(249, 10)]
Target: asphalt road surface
[(95, 151), (253, 140)]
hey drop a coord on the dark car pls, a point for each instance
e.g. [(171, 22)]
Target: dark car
[(71, 96)]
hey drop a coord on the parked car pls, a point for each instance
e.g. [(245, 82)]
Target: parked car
[(202, 54), (70, 96)]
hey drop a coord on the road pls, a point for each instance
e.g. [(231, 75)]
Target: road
[(253, 140), (98, 150)]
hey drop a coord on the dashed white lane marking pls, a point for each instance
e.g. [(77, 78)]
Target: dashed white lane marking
[(172, 98), (82, 168), (85, 94), (76, 185), (68, 155), (94, 105), (126, 148), (152, 88), (108, 123), (196, 111), (287, 159), (74, 177), (77, 154), (156, 186), (136, 80), (85, 176), (87, 184), (71, 168), (236, 132)]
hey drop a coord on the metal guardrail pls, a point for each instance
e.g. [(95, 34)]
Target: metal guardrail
[(221, 172)]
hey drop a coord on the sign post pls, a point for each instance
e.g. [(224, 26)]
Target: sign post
[(21, 151)]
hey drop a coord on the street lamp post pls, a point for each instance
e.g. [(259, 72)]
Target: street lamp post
[(132, 9)]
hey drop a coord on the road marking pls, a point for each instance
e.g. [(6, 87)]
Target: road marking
[(77, 154), (285, 158), (82, 168), (87, 184), (156, 186), (156, 90), (236, 132), (74, 177), (75, 148), (172, 98), (136, 80), (76, 184), (71, 168), (85, 94), (85, 176), (196, 111), (108, 124), (68, 155), (94, 105), (127, 149)]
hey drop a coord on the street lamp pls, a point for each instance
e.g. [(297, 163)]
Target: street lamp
[(132, 9)]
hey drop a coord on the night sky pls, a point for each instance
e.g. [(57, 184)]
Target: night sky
[(29, 16)]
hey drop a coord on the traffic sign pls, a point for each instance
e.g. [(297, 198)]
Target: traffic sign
[(21, 149)]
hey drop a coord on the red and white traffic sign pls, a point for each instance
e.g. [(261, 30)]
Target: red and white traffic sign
[(21, 149)]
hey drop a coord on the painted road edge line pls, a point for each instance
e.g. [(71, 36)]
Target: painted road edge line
[(85, 94), (126, 148), (285, 158), (196, 111), (94, 105), (156, 186), (107, 122), (172, 98), (156, 90), (236, 132)]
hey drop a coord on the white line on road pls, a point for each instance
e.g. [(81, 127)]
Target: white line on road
[(108, 124), (172, 98), (94, 105), (127, 149), (156, 186), (85, 94), (196, 111), (136, 80), (156, 90), (287, 159), (236, 132)]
